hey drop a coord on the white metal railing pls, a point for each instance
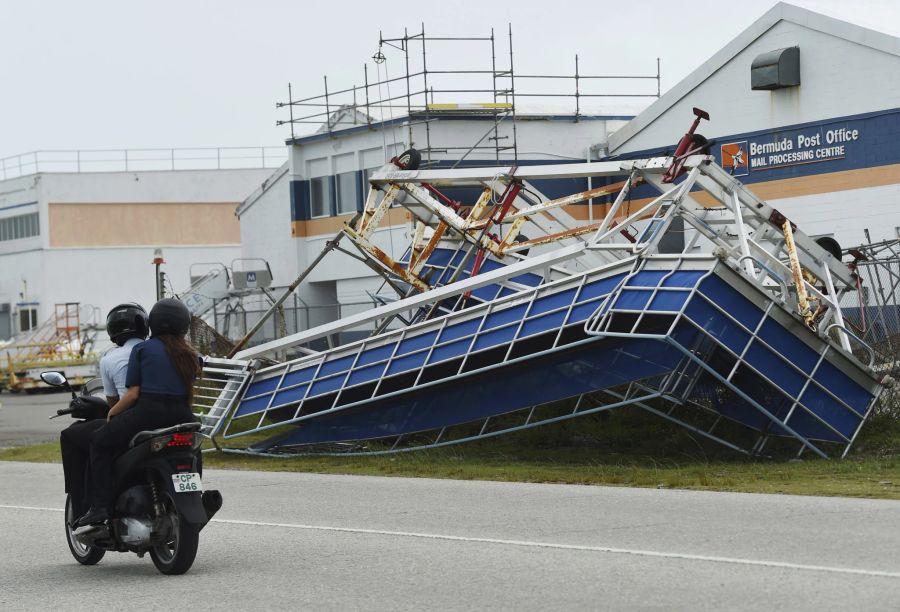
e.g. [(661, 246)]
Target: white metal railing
[(124, 160)]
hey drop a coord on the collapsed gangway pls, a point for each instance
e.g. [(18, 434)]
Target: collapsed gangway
[(693, 300)]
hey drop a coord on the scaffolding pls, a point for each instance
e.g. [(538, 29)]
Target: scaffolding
[(427, 92), (65, 341)]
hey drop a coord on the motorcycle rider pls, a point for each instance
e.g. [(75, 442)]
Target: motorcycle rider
[(159, 383), (127, 326)]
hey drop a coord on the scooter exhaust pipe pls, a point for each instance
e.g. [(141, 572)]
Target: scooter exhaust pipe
[(212, 501)]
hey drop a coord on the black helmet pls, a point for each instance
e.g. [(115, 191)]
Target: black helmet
[(126, 321), (170, 316)]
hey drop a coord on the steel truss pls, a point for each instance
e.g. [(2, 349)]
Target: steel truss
[(592, 285)]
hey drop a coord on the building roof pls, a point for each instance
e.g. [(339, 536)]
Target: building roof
[(780, 12), (348, 120)]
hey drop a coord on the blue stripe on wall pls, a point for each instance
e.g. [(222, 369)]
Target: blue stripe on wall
[(300, 200), (553, 188), (874, 144), (362, 189), (18, 205), (332, 196)]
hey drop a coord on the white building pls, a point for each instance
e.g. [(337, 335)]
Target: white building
[(89, 237), (816, 137), (825, 151)]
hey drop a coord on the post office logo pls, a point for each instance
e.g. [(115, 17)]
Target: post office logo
[(734, 158)]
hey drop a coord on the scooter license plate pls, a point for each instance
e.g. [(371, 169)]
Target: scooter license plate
[(188, 482)]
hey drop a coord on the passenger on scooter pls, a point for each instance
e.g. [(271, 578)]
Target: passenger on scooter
[(127, 326), (159, 392)]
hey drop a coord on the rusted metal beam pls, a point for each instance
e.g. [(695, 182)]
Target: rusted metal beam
[(448, 215), (574, 198), (385, 260), (416, 265), (481, 204), (372, 216), (416, 246), (513, 233), (575, 231), (797, 272)]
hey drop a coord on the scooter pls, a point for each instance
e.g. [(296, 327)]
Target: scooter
[(160, 506)]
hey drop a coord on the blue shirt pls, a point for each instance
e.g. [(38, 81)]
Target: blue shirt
[(113, 367), (149, 368)]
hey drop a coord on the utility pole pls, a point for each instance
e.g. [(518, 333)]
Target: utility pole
[(158, 261)]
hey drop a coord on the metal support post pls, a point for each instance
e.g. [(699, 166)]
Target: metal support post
[(742, 234), (329, 246)]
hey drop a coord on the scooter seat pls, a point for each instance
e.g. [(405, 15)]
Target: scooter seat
[(143, 436)]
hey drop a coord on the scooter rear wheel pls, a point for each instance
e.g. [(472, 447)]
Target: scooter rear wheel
[(86, 555), (177, 554)]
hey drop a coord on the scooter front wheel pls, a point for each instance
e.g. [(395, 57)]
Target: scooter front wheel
[(86, 555)]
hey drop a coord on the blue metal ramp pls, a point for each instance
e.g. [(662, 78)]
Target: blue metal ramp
[(602, 323)]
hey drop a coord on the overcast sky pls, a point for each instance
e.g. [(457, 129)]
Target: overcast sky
[(94, 74)]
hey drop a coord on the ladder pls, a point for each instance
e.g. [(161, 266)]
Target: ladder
[(221, 383)]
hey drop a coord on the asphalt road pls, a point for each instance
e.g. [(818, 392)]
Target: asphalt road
[(323, 542), (24, 419)]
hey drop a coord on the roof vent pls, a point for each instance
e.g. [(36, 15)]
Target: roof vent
[(776, 69)]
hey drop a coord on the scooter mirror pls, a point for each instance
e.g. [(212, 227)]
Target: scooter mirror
[(54, 379)]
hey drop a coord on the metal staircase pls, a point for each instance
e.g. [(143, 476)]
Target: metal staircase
[(594, 317)]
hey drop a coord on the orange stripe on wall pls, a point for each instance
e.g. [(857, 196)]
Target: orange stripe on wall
[(145, 223), (332, 225), (783, 188)]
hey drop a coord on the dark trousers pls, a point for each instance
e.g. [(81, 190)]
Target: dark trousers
[(150, 412), (74, 444)]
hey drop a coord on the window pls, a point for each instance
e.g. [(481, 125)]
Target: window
[(346, 192), (6, 330), (27, 319), (20, 226), (320, 196)]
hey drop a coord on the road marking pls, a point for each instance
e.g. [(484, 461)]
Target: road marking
[(32, 508), (551, 545)]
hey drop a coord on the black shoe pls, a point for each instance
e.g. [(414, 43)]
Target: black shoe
[(94, 516), (78, 510)]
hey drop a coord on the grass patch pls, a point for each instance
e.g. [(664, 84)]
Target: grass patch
[(626, 448), (851, 477), (35, 453)]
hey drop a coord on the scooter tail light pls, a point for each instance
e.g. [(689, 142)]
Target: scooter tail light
[(181, 439)]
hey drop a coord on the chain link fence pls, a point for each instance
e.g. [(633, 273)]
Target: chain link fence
[(222, 327), (872, 312)]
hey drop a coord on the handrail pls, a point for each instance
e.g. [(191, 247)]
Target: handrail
[(772, 273), (119, 160), (861, 342)]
